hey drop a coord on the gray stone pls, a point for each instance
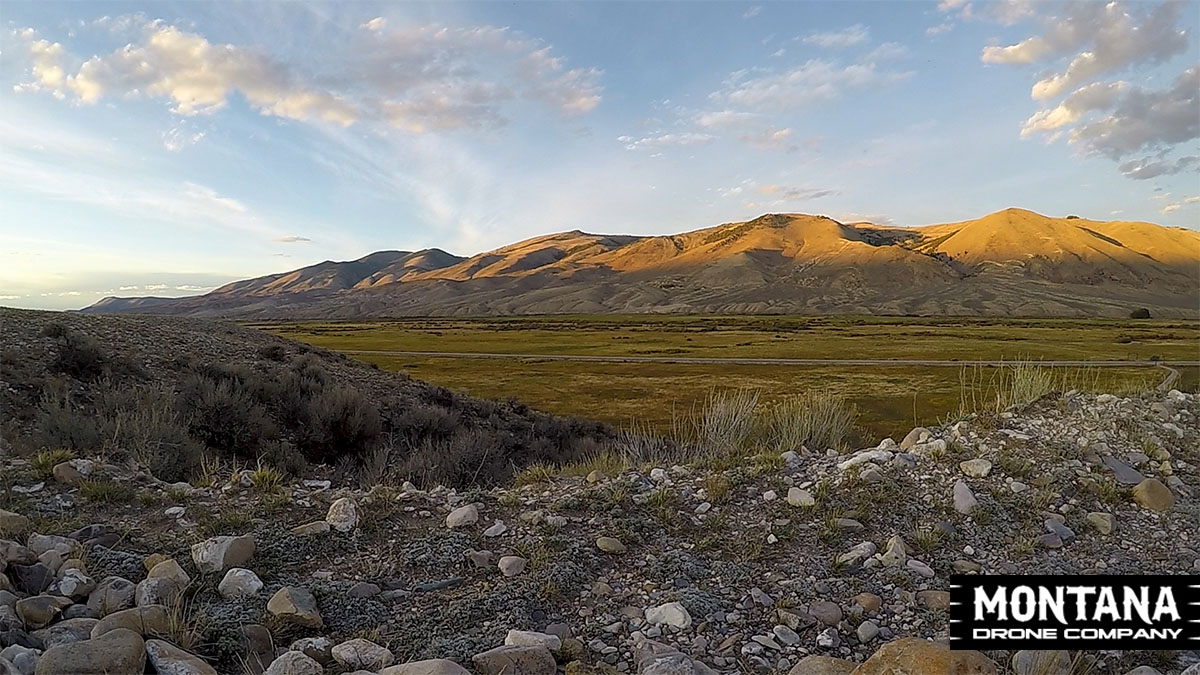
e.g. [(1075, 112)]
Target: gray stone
[(513, 659), (867, 631), (964, 499), (1125, 474), (40, 610), (522, 638), (118, 651), (671, 614), (66, 631), (239, 582), (463, 516), (976, 468), (511, 565), (610, 545), (655, 658), (1104, 523), (220, 553), (296, 606), (112, 594), (828, 613), (168, 659), (362, 654), (800, 498), (294, 663), (343, 515), (427, 667)]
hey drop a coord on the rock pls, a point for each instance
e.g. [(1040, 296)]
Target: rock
[(169, 569), (66, 631), (156, 591), (343, 515), (168, 659), (364, 589), (66, 546), (595, 476), (670, 614), (610, 545), (152, 560), (1042, 662), (828, 613), (931, 599), (257, 647), (12, 553), (1101, 522), (964, 499), (112, 594), (1055, 527), (857, 553), (911, 656), (655, 658), (363, 655), (294, 663), (523, 638), (463, 516), (823, 665), (828, 638), (975, 468), (1050, 541), (319, 649), (511, 565), (13, 524), (40, 610), (1153, 495), (786, 635), (239, 582), (1125, 474), (428, 667), (867, 631), (800, 498), (74, 583), (481, 559), (516, 659), (66, 473), (920, 568), (150, 620), (917, 435), (32, 579), (895, 554), (296, 606), (220, 553), (1143, 670), (869, 602), (118, 651), (309, 529)]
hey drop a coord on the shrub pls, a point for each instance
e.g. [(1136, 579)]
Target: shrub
[(224, 416), (273, 353), (79, 356), (726, 420), (1140, 313), (104, 491), (44, 461), (143, 423), (340, 422), (63, 425)]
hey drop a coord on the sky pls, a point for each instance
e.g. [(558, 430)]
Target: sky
[(164, 148)]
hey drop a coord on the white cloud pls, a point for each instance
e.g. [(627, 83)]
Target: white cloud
[(815, 81), (839, 39), (943, 27), (1104, 38), (752, 12), (419, 78), (1097, 96), (1146, 120), (666, 140), (773, 195), (1169, 208), (1191, 200), (293, 239)]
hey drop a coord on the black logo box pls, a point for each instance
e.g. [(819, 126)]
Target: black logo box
[(975, 623)]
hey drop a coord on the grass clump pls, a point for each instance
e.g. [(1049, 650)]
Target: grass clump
[(815, 420), (44, 461), (104, 491), (534, 474), (265, 479)]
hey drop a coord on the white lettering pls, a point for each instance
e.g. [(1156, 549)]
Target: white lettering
[(1106, 603), (1052, 602), (1166, 604), (994, 605), (1024, 604)]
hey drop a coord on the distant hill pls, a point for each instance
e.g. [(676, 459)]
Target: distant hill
[(1012, 262)]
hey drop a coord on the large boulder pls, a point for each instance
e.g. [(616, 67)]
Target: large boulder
[(145, 621), (296, 606), (294, 663), (112, 594), (360, 654), (656, 658), (40, 610), (118, 651), (428, 667), (914, 656), (168, 659), (220, 553), (511, 659)]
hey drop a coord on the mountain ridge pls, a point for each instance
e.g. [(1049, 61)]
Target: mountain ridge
[(1011, 262)]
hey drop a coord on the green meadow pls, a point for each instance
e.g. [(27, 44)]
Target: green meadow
[(890, 399)]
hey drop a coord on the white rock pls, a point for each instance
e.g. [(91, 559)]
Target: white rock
[(527, 638), (239, 582), (294, 663), (800, 498), (463, 516), (671, 614), (343, 515), (496, 530), (220, 553)]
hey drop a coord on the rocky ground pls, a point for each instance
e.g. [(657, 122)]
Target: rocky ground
[(811, 562)]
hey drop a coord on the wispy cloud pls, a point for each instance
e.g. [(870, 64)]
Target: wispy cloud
[(292, 239), (839, 39)]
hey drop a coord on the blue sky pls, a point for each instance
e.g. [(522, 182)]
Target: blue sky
[(166, 148)]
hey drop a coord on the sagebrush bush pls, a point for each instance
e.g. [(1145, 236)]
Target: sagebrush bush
[(339, 422), (143, 423), (814, 420), (225, 416), (79, 356)]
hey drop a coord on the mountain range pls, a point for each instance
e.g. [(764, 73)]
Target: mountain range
[(1009, 263)]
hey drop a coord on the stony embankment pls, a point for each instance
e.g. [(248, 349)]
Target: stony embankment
[(802, 563)]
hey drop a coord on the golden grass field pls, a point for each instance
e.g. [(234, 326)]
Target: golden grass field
[(890, 399)]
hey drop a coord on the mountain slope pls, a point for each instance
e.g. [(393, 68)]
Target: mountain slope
[(1013, 262)]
